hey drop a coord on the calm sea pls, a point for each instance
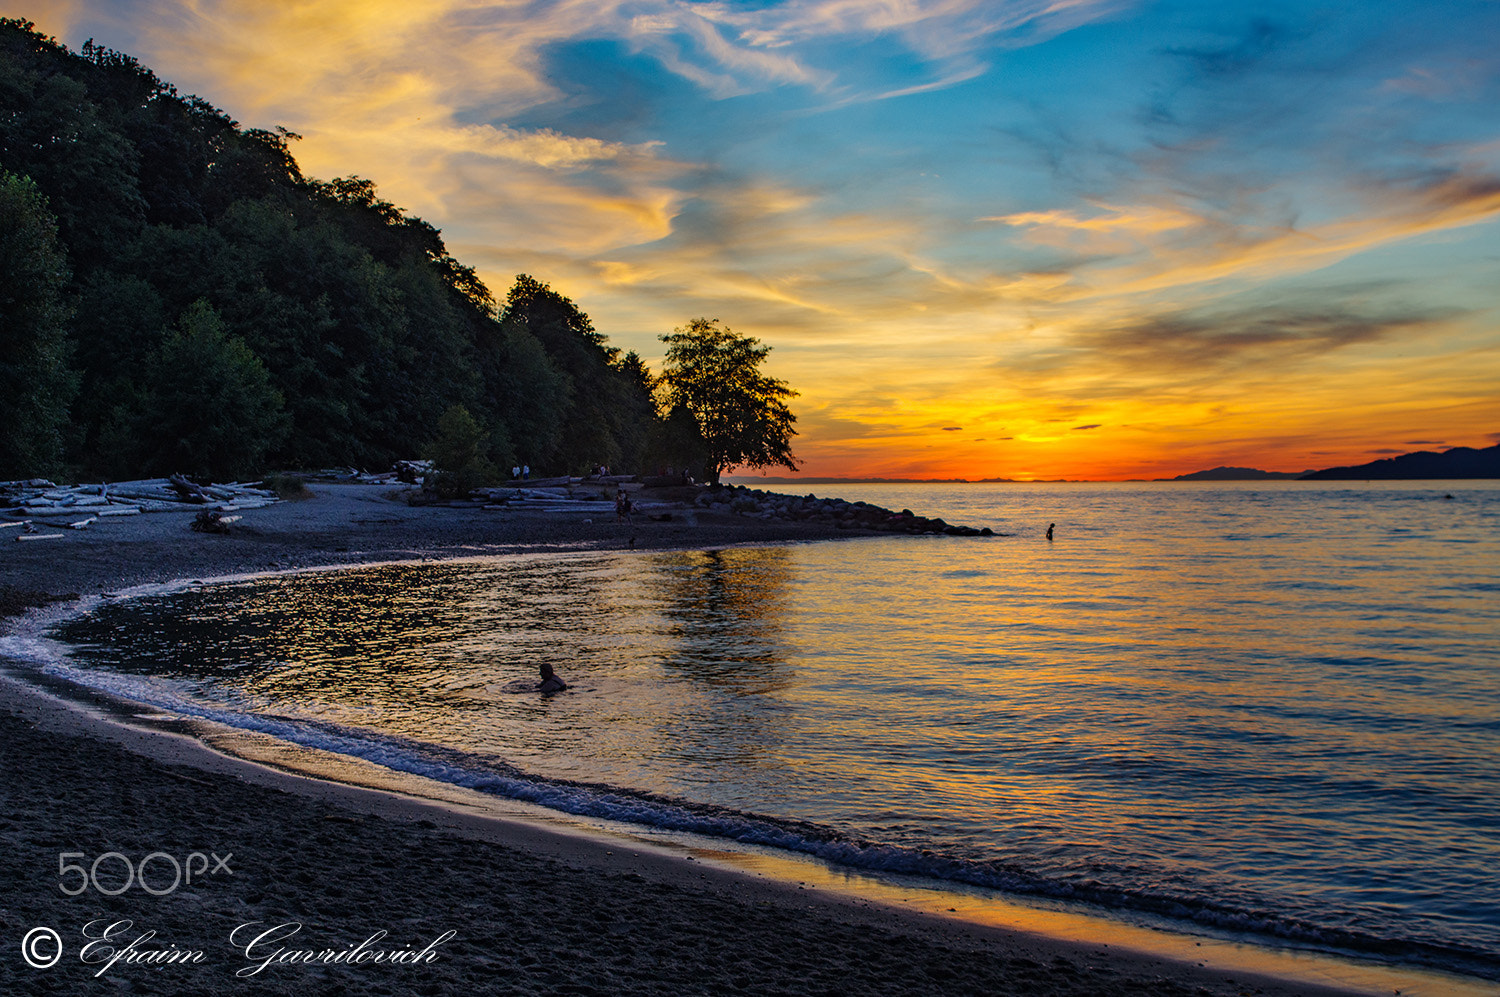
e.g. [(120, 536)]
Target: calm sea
[(1265, 708)]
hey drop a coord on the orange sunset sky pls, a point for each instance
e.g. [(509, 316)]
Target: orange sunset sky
[(985, 238)]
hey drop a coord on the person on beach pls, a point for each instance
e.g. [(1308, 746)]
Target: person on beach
[(550, 682), (622, 507)]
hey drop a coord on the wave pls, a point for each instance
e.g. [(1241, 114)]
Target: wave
[(499, 778)]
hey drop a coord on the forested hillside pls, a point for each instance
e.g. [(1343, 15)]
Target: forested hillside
[(176, 296)]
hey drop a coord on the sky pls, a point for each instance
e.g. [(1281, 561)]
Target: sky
[(1027, 239)]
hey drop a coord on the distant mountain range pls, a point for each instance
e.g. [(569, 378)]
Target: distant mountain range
[(1238, 474), (1460, 462)]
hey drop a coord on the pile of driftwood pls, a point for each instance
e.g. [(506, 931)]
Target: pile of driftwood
[(78, 506), (406, 472), (588, 495)]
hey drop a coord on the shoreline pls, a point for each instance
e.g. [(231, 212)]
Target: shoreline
[(342, 524), (838, 943), (535, 909)]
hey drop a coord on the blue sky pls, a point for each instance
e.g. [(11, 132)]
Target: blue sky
[(1020, 239)]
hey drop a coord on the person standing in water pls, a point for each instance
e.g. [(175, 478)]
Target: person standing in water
[(550, 682), (1049, 530)]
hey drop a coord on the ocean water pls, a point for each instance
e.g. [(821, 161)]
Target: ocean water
[(1265, 708)]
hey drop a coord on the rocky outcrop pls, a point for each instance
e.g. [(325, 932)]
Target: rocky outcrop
[(742, 501)]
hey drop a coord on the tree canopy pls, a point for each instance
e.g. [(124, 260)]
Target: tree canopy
[(714, 374)]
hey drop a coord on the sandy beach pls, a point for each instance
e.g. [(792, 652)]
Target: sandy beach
[(333, 889)]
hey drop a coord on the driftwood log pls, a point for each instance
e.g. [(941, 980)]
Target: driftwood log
[(188, 491)]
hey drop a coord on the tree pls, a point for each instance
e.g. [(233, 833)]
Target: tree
[(606, 408), (209, 409), (676, 445), (36, 382), (714, 373), (460, 453)]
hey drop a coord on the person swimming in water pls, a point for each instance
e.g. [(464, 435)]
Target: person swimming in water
[(550, 682)]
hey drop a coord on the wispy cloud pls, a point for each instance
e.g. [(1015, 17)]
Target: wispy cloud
[(1464, 78), (1204, 343), (957, 39)]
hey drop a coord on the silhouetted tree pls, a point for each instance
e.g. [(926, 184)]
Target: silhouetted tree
[(741, 413), (606, 411)]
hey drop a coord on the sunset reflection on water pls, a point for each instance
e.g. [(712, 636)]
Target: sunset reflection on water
[(1280, 703)]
